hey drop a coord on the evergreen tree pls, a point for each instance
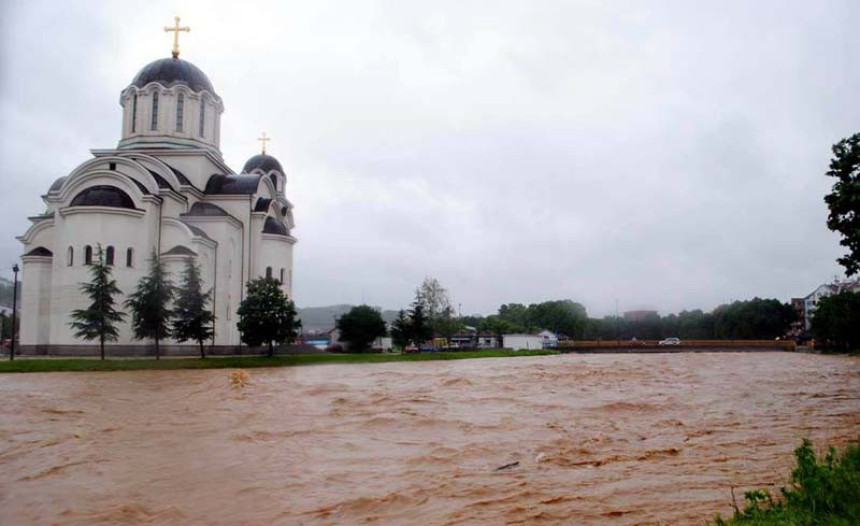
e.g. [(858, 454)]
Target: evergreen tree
[(419, 326), (192, 320), (401, 331), (99, 320), (266, 315), (150, 304), (844, 200)]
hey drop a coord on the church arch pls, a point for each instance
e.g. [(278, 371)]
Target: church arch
[(268, 272), (88, 255), (109, 255), (129, 257)]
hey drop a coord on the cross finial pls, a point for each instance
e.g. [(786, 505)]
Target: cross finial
[(176, 29), (264, 140)]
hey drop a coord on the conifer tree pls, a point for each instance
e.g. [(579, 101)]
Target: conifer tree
[(401, 330), (150, 304), (266, 315), (419, 326), (99, 320), (192, 320)]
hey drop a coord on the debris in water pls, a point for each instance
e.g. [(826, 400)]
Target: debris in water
[(240, 378), (508, 466), (540, 458)]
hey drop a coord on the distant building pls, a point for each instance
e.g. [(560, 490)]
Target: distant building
[(522, 342), (640, 315), (550, 339), (810, 302)]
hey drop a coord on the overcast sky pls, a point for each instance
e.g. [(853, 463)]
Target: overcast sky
[(666, 155)]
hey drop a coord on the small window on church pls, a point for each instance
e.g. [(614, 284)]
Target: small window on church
[(180, 108), (202, 115), (283, 272), (129, 257), (154, 111), (268, 272), (88, 255), (109, 256), (134, 113), (70, 257)]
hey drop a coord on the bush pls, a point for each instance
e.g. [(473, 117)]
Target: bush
[(825, 491)]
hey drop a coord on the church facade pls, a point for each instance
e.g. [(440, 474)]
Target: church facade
[(164, 189)]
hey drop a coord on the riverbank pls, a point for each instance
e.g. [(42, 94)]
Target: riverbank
[(44, 365)]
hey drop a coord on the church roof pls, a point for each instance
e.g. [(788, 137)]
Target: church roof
[(55, 187), (245, 184), (273, 226), (180, 250), (179, 175), (170, 71), (263, 162), (198, 231), (103, 195), (160, 181), (40, 251), (206, 209)]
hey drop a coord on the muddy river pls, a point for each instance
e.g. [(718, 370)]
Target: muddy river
[(588, 439)]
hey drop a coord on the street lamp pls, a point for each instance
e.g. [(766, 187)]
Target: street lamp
[(14, 312)]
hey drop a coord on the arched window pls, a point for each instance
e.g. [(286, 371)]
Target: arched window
[(202, 114), (154, 125), (282, 276), (268, 272), (109, 256), (134, 113), (88, 255), (70, 256), (180, 109), (129, 257)]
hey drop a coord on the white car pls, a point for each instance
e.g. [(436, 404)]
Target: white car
[(670, 341)]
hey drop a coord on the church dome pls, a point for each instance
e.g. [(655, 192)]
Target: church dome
[(170, 71), (263, 162)]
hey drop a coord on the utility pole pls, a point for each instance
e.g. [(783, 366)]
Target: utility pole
[(14, 312)]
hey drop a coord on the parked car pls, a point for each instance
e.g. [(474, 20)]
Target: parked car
[(670, 341)]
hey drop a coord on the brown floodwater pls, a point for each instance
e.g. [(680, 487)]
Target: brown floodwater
[(590, 439)]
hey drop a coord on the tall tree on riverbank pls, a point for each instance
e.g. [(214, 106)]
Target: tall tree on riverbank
[(266, 315), (844, 200), (150, 304), (99, 320), (192, 319), (400, 330), (360, 326)]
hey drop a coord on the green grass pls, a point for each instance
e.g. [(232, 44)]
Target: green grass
[(822, 491), (41, 365)]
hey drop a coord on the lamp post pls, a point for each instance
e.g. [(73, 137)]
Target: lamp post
[(14, 312)]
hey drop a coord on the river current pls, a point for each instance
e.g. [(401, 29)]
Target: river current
[(572, 439)]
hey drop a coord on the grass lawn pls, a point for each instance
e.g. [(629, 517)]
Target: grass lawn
[(40, 365)]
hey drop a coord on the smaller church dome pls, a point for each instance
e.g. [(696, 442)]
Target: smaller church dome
[(103, 195), (170, 71), (263, 162)]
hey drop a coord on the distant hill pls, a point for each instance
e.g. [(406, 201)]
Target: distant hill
[(323, 318)]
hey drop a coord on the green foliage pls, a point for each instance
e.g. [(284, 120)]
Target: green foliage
[(99, 320), (360, 326), (266, 315), (419, 326), (756, 319), (400, 330), (436, 305), (836, 322), (150, 304), (844, 200), (821, 492), (192, 320)]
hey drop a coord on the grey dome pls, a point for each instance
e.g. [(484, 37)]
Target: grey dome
[(103, 195), (263, 162), (170, 71)]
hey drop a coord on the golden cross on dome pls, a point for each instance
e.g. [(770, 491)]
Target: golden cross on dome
[(264, 140), (176, 29)]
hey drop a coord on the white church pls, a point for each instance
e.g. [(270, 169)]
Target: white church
[(165, 187)]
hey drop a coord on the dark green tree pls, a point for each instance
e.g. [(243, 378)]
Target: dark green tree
[(266, 315), (192, 319), (419, 326), (400, 330), (150, 304), (836, 321), (98, 321), (360, 326), (844, 200)]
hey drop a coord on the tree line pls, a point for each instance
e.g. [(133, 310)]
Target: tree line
[(160, 310)]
